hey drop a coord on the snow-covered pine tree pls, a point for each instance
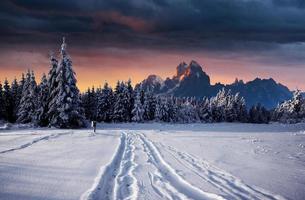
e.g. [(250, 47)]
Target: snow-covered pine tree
[(42, 105), (68, 114), (240, 107), (130, 100), (105, 102), (52, 85), (21, 84), (27, 106), (258, 114), (162, 111), (89, 102), (15, 97), (217, 106), (121, 105), (235, 109), (203, 110), (1, 103), (20, 89), (187, 112), (291, 111), (138, 109), (149, 106), (8, 102), (172, 109)]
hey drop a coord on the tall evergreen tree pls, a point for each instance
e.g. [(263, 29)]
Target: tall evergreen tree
[(187, 112), (291, 111), (42, 105), (258, 114), (20, 89), (68, 113), (89, 101), (149, 106), (138, 110), (162, 110), (105, 102), (52, 86), (15, 98), (1, 103), (121, 105), (203, 110), (130, 100), (8, 102), (27, 106)]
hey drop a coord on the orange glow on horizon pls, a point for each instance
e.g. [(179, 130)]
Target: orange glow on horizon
[(94, 69)]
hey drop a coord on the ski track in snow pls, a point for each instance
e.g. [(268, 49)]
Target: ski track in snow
[(232, 186), (126, 184), (36, 140), (173, 180), (116, 181)]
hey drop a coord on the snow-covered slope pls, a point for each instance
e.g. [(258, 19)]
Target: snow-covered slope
[(155, 161)]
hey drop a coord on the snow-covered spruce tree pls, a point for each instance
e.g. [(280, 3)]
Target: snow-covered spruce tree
[(149, 106), (15, 97), (162, 110), (89, 102), (172, 109), (1, 103), (291, 111), (86, 103), (130, 100), (240, 107), (258, 114), (94, 102), (52, 85), (217, 106), (121, 104), (203, 110), (8, 102), (138, 109), (227, 107), (21, 84), (68, 113), (187, 112), (235, 110), (42, 105), (105, 104), (28, 102)]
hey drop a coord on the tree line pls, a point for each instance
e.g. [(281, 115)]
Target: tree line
[(57, 102)]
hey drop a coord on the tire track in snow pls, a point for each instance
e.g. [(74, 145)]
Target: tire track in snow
[(36, 140), (169, 174), (232, 186), (116, 181)]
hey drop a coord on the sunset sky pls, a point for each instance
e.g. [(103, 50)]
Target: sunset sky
[(117, 40)]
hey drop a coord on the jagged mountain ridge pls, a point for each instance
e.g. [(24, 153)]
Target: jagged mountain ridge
[(191, 81)]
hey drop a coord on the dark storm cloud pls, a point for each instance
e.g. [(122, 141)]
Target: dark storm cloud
[(292, 3), (203, 24)]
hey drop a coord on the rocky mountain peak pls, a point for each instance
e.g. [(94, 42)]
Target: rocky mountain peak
[(194, 69), (180, 70), (191, 81)]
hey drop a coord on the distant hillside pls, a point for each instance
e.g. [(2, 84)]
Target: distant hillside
[(191, 81)]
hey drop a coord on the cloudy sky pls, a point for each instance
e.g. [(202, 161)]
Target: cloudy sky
[(119, 39)]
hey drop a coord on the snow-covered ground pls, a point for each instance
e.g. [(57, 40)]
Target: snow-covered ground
[(154, 161)]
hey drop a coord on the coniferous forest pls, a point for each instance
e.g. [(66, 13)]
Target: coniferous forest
[(57, 102)]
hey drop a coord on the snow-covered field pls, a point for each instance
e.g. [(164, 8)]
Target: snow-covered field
[(154, 161)]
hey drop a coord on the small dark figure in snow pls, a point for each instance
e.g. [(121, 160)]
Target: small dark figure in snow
[(93, 124)]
